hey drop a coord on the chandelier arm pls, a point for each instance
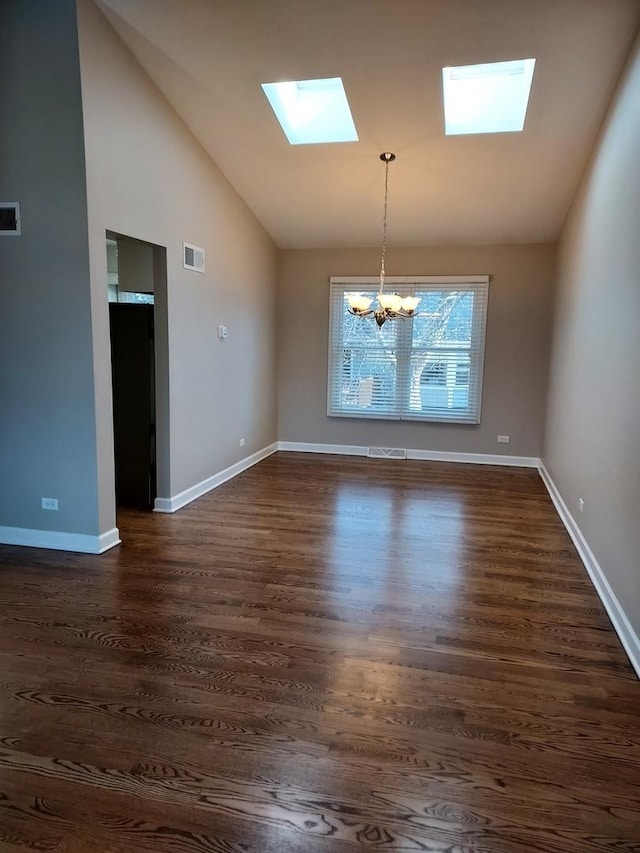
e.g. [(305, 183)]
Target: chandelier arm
[(387, 313), (357, 313)]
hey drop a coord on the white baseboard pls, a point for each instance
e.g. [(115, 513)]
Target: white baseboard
[(306, 447), (59, 541), (427, 455), (474, 458), (176, 502), (623, 627), (108, 540)]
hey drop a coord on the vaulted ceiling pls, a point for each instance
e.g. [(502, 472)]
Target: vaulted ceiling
[(209, 58)]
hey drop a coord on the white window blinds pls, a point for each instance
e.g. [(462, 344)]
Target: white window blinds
[(425, 368)]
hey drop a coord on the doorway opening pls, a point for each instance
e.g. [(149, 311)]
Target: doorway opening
[(136, 284)]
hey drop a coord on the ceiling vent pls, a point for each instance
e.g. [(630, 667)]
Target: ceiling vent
[(10, 225), (192, 257), (387, 452)]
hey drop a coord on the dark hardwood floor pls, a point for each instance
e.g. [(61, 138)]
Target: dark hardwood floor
[(325, 655)]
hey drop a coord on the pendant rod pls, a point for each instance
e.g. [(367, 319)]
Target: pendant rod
[(386, 157)]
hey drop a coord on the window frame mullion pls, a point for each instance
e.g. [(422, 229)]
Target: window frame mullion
[(404, 351)]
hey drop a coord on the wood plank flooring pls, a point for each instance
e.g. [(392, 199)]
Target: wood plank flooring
[(324, 655)]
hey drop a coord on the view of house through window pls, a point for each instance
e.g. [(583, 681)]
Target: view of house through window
[(428, 367)]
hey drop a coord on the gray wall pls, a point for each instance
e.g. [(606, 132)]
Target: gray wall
[(592, 441), (148, 178), (516, 354), (47, 425), (135, 266)]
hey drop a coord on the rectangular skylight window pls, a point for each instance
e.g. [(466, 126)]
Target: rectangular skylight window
[(312, 111), (488, 98)]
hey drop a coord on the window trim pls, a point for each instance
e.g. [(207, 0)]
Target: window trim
[(479, 283)]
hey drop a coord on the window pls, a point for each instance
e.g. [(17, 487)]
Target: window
[(434, 373), (488, 98), (312, 111), (117, 295), (426, 368)]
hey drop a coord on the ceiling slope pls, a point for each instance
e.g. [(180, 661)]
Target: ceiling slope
[(209, 59)]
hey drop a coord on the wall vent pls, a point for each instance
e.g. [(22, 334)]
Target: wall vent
[(192, 257), (10, 225), (387, 452)]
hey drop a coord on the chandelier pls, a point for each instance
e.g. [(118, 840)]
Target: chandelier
[(391, 306)]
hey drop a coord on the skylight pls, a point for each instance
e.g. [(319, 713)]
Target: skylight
[(488, 98), (312, 111)]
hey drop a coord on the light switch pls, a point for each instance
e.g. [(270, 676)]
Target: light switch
[(222, 332)]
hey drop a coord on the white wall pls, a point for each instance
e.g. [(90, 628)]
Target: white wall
[(592, 441), (148, 178)]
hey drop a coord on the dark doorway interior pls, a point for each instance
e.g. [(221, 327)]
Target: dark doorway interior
[(134, 403)]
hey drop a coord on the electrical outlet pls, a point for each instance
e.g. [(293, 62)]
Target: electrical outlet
[(580, 504), (50, 503), (504, 439), (243, 441)]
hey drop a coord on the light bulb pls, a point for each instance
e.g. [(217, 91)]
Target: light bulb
[(410, 303), (390, 301), (358, 301)]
